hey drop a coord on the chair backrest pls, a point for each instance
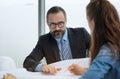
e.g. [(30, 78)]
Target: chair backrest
[(7, 63)]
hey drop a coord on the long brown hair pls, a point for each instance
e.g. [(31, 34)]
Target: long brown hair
[(107, 26)]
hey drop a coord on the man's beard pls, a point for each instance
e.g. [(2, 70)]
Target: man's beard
[(58, 33)]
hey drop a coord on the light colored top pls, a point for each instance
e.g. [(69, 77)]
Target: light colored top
[(104, 66)]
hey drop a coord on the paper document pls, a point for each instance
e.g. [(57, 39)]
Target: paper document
[(66, 63)]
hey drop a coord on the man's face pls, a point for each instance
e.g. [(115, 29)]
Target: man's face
[(57, 24)]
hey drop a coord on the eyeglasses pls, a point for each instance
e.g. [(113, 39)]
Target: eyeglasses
[(60, 25)]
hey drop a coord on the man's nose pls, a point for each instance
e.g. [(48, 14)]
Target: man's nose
[(57, 27)]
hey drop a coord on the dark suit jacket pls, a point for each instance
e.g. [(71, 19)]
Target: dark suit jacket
[(47, 47)]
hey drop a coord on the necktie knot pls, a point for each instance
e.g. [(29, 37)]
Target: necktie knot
[(62, 41)]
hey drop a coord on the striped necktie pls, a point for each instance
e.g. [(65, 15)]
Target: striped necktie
[(65, 52)]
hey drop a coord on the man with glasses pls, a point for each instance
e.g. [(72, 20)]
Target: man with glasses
[(60, 44)]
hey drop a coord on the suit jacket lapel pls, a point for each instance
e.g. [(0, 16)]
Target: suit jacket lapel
[(55, 49), (71, 39)]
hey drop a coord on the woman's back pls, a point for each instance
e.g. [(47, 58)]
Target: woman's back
[(104, 66)]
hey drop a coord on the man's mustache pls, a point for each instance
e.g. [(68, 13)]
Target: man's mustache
[(57, 31)]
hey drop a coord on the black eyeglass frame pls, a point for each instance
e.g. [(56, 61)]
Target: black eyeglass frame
[(59, 24)]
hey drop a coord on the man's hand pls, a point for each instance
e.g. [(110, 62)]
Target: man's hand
[(50, 69)]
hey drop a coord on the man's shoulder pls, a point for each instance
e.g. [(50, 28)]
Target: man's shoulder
[(45, 36), (79, 30)]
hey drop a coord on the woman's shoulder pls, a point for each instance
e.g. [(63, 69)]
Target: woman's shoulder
[(105, 50)]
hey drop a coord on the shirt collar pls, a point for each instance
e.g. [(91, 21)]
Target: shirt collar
[(65, 37)]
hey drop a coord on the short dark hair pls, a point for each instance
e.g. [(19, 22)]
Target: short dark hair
[(56, 9)]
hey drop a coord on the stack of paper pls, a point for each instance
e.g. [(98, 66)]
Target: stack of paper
[(66, 63)]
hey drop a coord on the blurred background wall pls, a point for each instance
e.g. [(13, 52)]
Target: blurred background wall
[(21, 24)]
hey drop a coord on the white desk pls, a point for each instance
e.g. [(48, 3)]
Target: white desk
[(21, 73)]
